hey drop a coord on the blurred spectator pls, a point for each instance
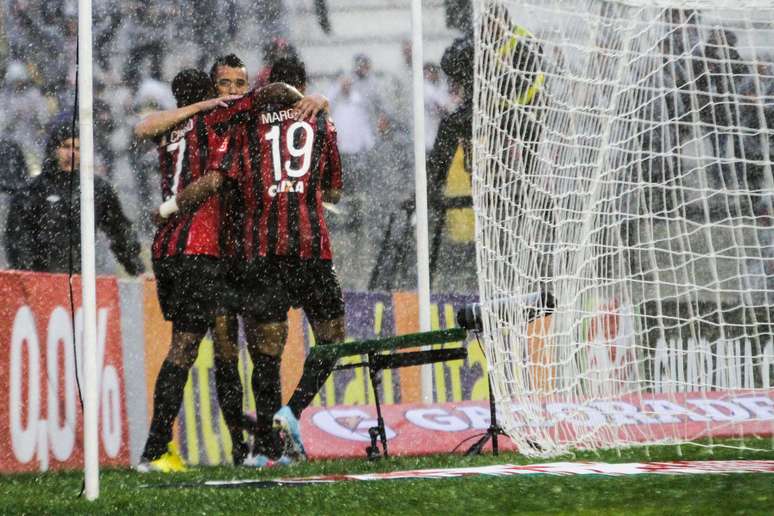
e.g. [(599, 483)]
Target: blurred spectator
[(104, 125), (321, 9), (42, 31), (457, 64), (25, 111), (759, 277), (392, 161), (43, 228), (459, 15), (270, 17), (3, 42), (209, 29), (14, 176), (398, 102), (716, 76), (679, 47), (438, 102), (364, 83), (151, 96), (107, 22), (356, 105), (148, 24), (275, 49), (754, 141), (356, 137)]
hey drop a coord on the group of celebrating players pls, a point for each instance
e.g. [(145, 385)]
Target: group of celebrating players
[(242, 232)]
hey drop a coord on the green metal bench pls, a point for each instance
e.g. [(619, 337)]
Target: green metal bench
[(389, 353)]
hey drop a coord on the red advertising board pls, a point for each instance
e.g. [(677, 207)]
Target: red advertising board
[(417, 429), (41, 422)]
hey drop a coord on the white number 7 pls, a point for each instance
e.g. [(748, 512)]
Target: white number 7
[(178, 146), (304, 151)]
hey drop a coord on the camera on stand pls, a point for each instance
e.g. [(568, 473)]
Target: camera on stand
[(535, 304)]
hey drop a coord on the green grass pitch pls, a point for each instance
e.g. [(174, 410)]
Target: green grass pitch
[(121, 491)]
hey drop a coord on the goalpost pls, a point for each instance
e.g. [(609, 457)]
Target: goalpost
[(88, 267), (622, 163)]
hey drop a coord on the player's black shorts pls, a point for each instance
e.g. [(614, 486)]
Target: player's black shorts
[(193, 290), (271, 285)]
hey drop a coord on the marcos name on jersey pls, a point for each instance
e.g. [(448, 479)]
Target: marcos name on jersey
[(283, 166)]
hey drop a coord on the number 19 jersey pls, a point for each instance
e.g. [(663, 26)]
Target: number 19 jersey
[(283, 165)]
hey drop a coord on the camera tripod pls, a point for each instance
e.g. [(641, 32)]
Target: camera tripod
[(492, 432), (494, 429)]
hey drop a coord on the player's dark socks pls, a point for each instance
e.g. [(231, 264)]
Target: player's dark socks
[(239, 453), (316, 373), (167, 398), (268, 443), (229, 388), (268, 400)]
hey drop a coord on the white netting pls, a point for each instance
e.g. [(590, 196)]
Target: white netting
[(622, 163)]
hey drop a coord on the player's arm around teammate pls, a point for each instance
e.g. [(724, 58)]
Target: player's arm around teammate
[(230, 78), (189, 285), (289, 263)]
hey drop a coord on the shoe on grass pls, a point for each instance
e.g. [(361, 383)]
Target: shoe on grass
[(170, 462), (285, 421)]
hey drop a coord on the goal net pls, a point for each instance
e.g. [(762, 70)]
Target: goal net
[(622, 169)]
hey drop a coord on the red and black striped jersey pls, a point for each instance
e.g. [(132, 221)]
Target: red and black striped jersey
[(183, 157), (283, 165)]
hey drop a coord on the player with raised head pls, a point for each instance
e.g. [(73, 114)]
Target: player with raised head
[(229, 78), (286, 169)]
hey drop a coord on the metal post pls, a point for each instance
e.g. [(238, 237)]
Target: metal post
[(88, 272), (420, 179)]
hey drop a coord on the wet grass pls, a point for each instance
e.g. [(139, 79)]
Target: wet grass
[(125, 492)]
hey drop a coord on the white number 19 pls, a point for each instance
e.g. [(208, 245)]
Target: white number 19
[(304, 152)]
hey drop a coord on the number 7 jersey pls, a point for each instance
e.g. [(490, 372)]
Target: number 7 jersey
[(183, 158), (283, 166)]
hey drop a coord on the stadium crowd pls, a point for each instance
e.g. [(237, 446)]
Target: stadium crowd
[(134, 63)]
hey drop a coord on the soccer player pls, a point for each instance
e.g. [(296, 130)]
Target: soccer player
[(191, 285), (286, 169), (229, 77)]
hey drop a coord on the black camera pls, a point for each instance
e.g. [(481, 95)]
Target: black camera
[(537, 304)]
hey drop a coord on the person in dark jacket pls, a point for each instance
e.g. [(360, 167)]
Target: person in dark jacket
[(14, 176), (43, 232)]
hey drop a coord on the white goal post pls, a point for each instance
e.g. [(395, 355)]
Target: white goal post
[(622, 163)]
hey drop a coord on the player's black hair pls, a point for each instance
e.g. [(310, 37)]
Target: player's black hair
[(191, 86), (230, 60), (289, 70)]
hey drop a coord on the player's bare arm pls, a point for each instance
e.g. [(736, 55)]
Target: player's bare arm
[(311, 105), (190, 198), (305, 106), (160, 122)]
